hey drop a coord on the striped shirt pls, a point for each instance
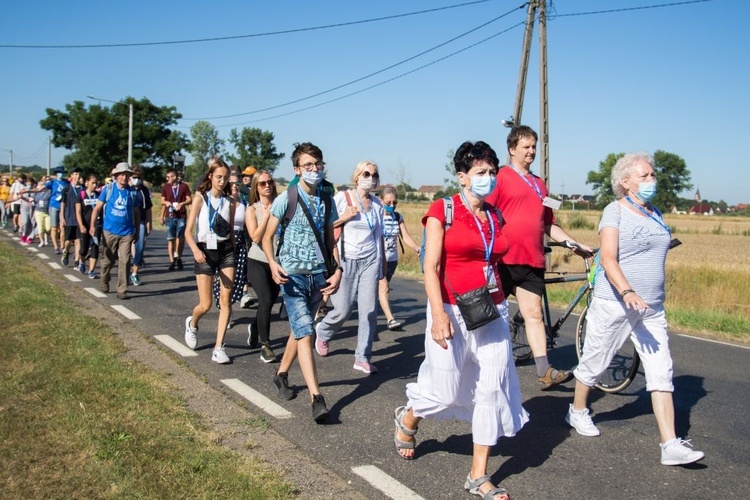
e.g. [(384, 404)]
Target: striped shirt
[(642, 254)]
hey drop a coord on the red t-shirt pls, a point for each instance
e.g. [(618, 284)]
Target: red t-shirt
[(182, 192), (462, 260), (525, 216)]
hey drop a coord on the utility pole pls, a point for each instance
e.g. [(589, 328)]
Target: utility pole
[(524, 70), (49, 155), (543, 110)]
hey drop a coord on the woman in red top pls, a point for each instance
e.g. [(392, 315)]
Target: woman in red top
[(467, 374)]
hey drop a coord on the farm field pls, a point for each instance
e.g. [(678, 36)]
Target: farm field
[(708, 276)]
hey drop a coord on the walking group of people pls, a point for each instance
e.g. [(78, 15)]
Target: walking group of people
[(482, 244)]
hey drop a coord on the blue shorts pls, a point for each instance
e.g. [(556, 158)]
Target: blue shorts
[(302, 297), (175, 228)]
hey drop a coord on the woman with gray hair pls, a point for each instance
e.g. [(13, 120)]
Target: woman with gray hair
[(361, 249), (628, 301), (394, 233)]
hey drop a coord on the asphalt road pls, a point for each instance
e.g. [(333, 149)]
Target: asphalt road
[(546, 459)]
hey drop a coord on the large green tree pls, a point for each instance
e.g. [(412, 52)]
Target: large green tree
[(205, 143), (97, 135), (672, 178), (254, 147)]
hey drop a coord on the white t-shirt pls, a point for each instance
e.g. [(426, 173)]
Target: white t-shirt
[(362, 233)]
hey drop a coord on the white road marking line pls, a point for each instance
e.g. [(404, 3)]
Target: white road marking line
[(713, 341), (176, 346), (32, 249), (42, 256), (125, 312), (54, 265), (72, 278), (96, 293), (385, 483), (257, 398)]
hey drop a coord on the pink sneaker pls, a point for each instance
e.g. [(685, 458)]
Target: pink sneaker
[(321, 346), (365, 366)]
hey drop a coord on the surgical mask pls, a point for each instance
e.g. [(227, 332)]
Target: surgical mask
[(646, 191), (135, 181), (312, 178), (389, 209), (482, 185), (59, 175), (366, 185)]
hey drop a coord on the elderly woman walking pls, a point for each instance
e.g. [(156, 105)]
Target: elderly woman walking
[(628, 301)]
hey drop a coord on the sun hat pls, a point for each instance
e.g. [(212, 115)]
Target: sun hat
[(121, 168)]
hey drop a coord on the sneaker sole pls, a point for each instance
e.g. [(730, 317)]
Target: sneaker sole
[(320, 418), (682, 462), (265, 360), (567, 419), (357, 367)]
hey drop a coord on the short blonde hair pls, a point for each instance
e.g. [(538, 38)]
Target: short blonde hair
[(624, 166), (361, 168)]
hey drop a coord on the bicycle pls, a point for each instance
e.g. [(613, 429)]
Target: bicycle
[(624, 366)]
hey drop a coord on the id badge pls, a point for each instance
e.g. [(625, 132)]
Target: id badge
[(174, 205), (551, 203), (489, 272), (211, 242)]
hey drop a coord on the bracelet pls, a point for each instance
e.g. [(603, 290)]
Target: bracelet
[(625, 292)]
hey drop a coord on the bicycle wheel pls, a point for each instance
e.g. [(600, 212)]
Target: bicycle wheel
[(521, 350), (623, 368)]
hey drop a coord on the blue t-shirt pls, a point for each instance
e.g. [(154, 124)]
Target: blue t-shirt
[(119, 215), (300, 252), (57, 186)]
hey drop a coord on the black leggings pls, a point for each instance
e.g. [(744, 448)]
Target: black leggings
[(267, 290)]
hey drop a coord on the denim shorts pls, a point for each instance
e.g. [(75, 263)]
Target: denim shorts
[(301, 298), (175, 228)]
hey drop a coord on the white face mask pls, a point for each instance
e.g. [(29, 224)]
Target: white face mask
[(135, 181), (366, 185)]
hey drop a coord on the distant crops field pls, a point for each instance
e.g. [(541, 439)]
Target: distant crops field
[(708, 276)]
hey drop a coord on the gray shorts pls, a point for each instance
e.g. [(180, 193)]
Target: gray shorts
[(54, 217)]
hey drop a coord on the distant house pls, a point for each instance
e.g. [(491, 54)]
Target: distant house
[(701, 209), (427, 192)]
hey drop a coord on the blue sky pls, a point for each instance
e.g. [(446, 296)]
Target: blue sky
[(673, 78)]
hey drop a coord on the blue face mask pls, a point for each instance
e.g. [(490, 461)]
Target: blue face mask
[(389, 209), (312, 178), (646, 191), (483, 185)]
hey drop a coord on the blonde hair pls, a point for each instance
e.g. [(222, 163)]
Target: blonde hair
[(361, 168)]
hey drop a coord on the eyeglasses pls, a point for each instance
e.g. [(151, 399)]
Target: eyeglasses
[(394, 204), (265, 183), (309, 166), (234, 183), (367, 175)]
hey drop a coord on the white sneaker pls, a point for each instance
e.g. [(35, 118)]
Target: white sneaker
[(679, 451), (581, 422), (220, 356), (191, 334)]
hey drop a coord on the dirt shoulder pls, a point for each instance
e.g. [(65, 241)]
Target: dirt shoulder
[(229, 422)]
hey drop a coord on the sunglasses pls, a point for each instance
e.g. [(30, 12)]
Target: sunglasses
[(265, 183), (367, 175)]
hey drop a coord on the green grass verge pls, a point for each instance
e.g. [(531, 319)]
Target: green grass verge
[(77, 420)]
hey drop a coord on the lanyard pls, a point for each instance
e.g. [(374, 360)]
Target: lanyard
[(487, 248), (317, 218), (532, 185), (212, 213), (175, 193), (658, 219), (366, 214)]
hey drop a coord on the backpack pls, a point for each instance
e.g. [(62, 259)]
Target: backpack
[(448, 213), (291, 208)]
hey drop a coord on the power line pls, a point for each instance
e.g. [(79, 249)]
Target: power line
[(237, 37), (363, 77), (377, 84), (624, 9), (33, 155)]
